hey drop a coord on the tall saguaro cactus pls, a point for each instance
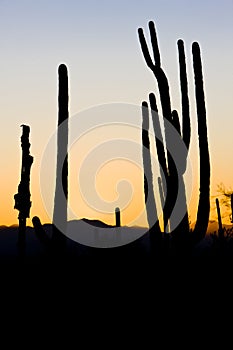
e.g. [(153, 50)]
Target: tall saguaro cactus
[(204, 195), (22, 198), (61, 191)]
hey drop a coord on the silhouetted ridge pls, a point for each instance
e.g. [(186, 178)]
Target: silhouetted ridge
[(96, 223)]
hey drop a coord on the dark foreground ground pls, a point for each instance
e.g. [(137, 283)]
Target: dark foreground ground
[(142, 258), (115, 292)]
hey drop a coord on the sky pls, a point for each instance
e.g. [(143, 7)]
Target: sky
[(98, 42)]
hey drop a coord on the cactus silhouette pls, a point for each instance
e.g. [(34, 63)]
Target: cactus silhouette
[(171, 177), (40, 233), (118, 217), (22, 198), (61, 191), (160, 152), (220, 228), (204, 195), (151, 208), (232, 207)]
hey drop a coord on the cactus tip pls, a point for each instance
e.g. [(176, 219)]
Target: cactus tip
[(195, 46), (151, 24), (180, 42), (140, 31), (62, 68)]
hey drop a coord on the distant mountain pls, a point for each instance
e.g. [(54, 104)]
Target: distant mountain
[(95, 233), (86, 234), (96, 223)]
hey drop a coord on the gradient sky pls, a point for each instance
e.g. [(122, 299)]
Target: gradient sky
[(98, 42)]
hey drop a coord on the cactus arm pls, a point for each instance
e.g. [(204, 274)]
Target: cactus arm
[(186, 126), (144, 48), (158, 134), (176, 121), (154, 44)]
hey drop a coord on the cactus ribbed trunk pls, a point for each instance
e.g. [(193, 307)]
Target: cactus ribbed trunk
[(204, 195), (61, 190)]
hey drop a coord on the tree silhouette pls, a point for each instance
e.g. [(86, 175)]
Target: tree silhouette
[(227, 198)]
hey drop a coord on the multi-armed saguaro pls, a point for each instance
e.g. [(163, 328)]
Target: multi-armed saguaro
[(172, 177)]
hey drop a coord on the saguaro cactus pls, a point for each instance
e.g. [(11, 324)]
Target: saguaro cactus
[(22, 198), (204, 195), (170, 171), (61, 191), (232, 207), (172, 177), (40, 232), (118, 217)]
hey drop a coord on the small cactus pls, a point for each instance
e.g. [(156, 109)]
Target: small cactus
[(118, 217), (220, 228)]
